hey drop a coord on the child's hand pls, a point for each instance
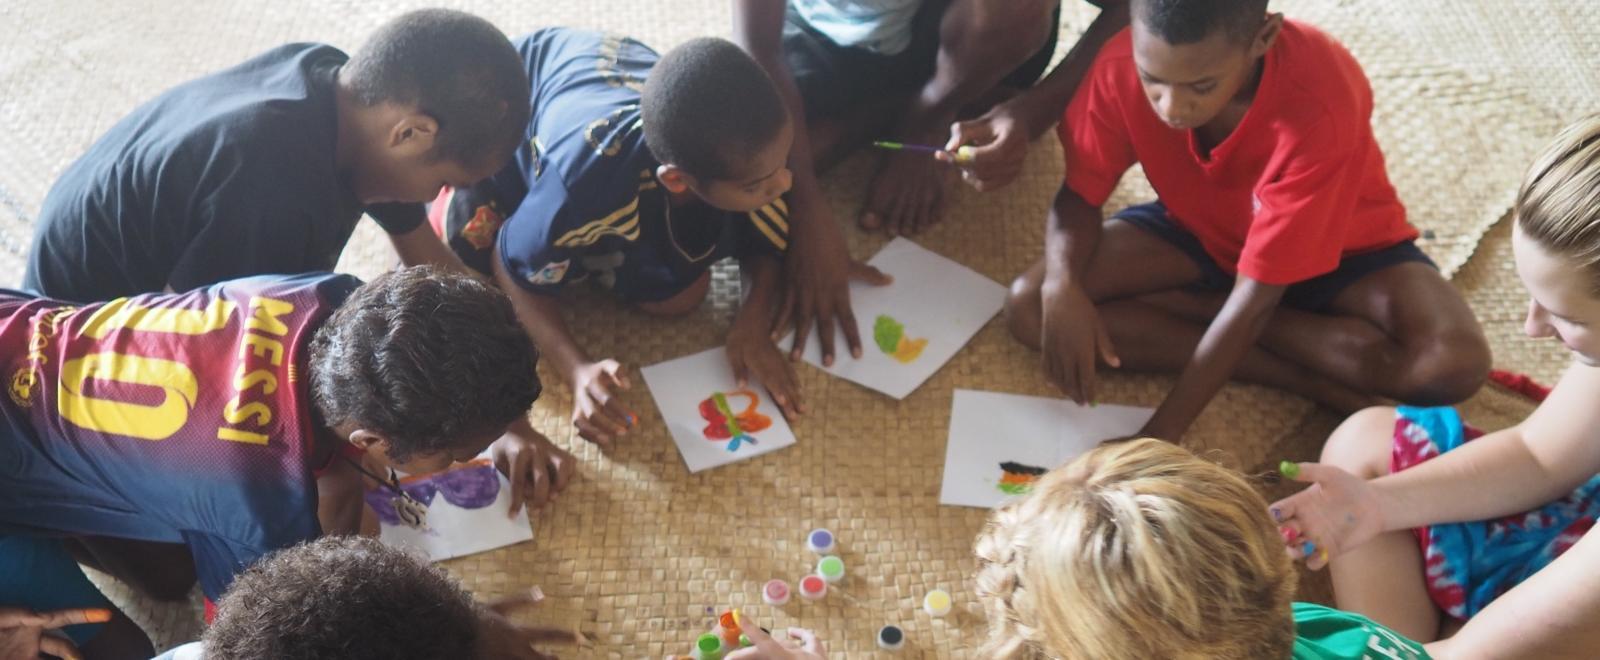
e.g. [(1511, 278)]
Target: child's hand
[(498, 637), (538, 470), (1340, 511), (767, 648), (752, 351), (803, 304), (23, 632), (1072, 336), (999, 144), (596, 411)]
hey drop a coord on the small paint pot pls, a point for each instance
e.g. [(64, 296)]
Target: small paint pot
[(831, 568), (775, 593), (891, 638), (936, 603), (820, 541), (813, 587), (728, 627), (708, 647)]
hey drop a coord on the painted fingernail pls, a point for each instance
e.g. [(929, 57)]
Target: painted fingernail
[(1289, 469), (1277, 516), (1308, 549), (632, 419), (1289, 534), (1323, 555), (97, 615)]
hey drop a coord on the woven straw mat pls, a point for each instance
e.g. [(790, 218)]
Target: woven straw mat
[(637, 550)]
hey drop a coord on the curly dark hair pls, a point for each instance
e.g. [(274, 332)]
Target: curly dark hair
[(426, 358), (1181, 22), (343, 598), (455, 67), (707, 106)]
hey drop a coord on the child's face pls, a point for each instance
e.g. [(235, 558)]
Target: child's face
[(1561, 304), (467, 450), (763, 178), (1188, 85)]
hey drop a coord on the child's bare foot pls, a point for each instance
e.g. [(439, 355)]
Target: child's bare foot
[(907, 195)]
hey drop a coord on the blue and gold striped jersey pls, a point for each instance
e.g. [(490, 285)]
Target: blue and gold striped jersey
[(581, 199)]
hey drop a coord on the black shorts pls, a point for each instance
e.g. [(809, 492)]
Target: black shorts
[(834, 79), (1313, 295)]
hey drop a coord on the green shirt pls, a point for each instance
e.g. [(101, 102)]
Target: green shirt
[(1322, 633)]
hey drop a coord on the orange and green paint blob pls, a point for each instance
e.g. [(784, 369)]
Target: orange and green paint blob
[(890, 336), (727, 425), (1017, 479)]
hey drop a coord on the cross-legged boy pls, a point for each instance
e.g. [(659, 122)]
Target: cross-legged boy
[(1278, 252), (267, 166), (196, 424), (638, 172)]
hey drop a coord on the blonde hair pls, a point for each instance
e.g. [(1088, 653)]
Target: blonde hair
[(1559, 203), (1137, 549)]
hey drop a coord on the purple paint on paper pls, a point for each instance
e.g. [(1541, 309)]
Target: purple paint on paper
[(471, 487)]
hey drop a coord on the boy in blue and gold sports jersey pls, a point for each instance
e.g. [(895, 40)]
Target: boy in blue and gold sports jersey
[(201, 418), (638, 172)]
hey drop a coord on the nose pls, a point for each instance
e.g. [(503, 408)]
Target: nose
[(1537, 324), (781, 183)]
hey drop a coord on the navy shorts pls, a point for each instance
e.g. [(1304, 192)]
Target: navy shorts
[(39, 574), (1313, 295), (834, 79)]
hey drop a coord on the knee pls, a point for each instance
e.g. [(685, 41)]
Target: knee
[(683, 302), (1023, 309), (1448, 371), (1362, 444), (1016, 25)]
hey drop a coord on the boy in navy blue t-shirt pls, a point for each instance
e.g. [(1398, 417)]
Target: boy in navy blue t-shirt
[(267, 166)]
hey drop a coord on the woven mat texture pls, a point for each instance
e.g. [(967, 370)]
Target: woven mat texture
[(638, 550)]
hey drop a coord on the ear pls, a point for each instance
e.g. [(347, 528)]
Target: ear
[(1267, 35), (413, 133), (674, 178), (367, 440)]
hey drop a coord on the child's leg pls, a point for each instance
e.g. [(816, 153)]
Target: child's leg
[(1402, 332), (163, 571), (39, 574), (1382, 579)]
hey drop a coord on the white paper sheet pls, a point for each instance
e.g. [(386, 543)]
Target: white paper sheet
[(462, 520), (991, 432), (934, 307), (743, 424)]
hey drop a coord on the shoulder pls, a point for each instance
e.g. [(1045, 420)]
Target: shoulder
[(1325, 100)]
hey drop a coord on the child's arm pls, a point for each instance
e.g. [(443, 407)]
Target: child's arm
[(597, 413), (1072, 335), (1000, 137), (818, 268), (750, 346), (339, 500), (421, 246), (1502, 473), (1237, 327)]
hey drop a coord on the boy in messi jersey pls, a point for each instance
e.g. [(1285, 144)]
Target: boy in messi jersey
[(1278, 252), (638, 174), (203, 418)]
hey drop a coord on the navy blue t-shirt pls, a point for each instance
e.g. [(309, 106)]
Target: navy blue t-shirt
[(225, 176), (581, 199)]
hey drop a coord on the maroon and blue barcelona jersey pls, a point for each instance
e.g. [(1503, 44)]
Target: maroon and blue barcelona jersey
[(165, 417)]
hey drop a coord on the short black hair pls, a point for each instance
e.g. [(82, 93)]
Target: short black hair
[(1190, 21), (343, 597), (424, 357), (455, 67), (708, 107)]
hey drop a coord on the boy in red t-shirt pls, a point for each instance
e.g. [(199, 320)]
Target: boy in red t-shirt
[(1278, 252)]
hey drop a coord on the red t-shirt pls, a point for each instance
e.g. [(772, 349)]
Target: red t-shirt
[(1299, 184)]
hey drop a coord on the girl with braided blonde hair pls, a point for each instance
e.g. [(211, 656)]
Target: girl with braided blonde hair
[(1140, 549)]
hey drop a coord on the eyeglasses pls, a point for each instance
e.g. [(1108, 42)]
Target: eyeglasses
[(471, 485)]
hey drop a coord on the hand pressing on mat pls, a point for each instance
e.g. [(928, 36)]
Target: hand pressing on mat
[(1339, 512), (25, 633), (793, 644), (538, 469), (499, 637), (751, 348)]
